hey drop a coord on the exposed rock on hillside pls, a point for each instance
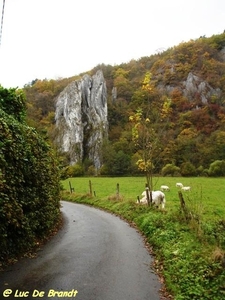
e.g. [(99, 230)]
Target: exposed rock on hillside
[(81, 119), (222, 54), (195, 85)]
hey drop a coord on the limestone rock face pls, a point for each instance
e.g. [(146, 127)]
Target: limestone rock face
[(195, 84), (81, 119), (222, 54)]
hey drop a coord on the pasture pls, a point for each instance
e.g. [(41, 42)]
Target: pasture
[(207, 194), (190, 252)]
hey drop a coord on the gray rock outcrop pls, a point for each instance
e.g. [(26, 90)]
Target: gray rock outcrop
[(81, 119), (195, 84)]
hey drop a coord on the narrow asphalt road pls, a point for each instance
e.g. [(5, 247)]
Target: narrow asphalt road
[(95, 256)]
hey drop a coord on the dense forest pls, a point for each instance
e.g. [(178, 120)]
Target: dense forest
[(179, 97)]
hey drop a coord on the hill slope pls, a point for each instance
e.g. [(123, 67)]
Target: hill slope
[(191, 76)]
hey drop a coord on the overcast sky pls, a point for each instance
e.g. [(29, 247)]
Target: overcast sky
[(52, 38)]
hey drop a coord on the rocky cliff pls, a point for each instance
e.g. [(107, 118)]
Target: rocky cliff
[(196, 85), (81, 119)]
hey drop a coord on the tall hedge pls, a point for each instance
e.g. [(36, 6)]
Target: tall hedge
[(29, 180)]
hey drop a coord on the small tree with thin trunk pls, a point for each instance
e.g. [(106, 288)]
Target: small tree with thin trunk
[(146, 134), (145, 139)]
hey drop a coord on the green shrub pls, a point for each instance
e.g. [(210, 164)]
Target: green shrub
[(217, 168), (29, 184), (170, 169), (12, 102), (75, 170), (188, 169)]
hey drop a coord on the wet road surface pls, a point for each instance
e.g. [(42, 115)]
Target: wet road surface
[(95, 256)]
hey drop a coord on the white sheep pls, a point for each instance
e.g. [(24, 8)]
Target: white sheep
[(164, 188), (158, 198), (179, 184), (186, 188)]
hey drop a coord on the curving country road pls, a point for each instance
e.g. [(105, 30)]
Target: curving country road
[(95, 256)]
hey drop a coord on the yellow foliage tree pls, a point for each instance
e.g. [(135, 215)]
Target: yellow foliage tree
[(145, 135), (144, 138)]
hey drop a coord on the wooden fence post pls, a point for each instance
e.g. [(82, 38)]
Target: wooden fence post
[(71, 188), (183, 206), (90, 187), (117, 191)]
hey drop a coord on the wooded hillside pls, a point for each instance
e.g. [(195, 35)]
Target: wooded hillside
[(188, 80)]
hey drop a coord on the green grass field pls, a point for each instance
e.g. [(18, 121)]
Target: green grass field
[(207, 193), (189, 246)]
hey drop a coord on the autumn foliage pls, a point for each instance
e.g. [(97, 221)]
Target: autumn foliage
[(186, 127)]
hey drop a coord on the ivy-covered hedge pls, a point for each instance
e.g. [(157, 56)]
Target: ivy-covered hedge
[(29, 181)]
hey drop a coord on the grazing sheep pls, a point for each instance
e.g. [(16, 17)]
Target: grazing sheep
[(158, 198), (179, 184), (186, 188), (164, 188)]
